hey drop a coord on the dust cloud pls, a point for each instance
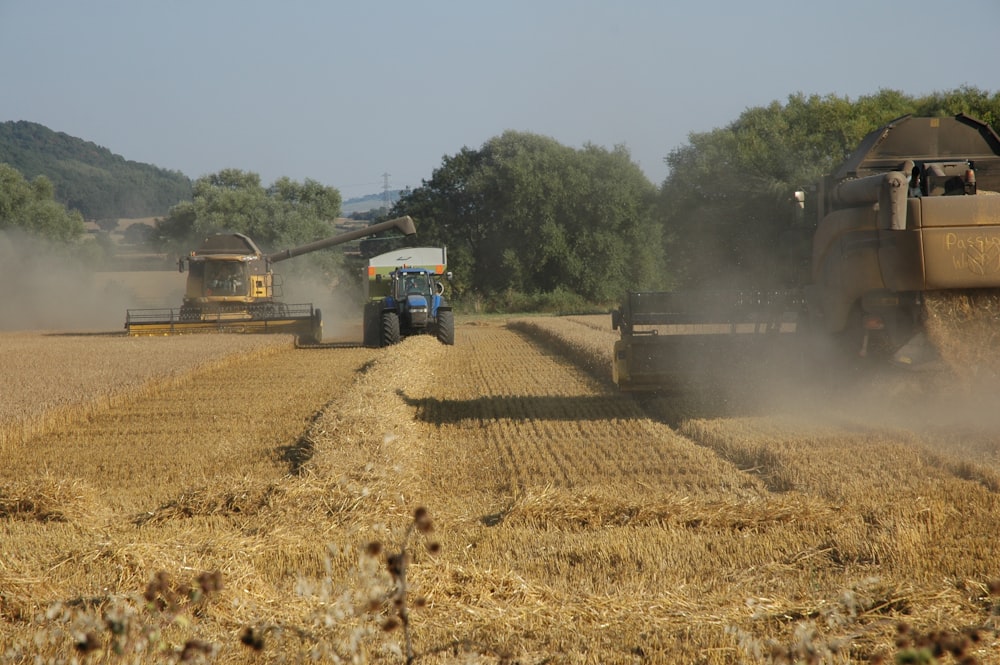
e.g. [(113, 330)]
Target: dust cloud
[(339, 301), (816, 382), (49, 288), (52, 289)]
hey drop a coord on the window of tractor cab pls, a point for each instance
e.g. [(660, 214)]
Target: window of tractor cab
[(415, 283)]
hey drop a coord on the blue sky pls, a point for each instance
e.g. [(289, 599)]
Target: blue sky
[(343, 92)]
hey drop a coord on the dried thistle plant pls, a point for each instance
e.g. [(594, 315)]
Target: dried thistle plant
[(136, 625), (355, 614), (398, 602)]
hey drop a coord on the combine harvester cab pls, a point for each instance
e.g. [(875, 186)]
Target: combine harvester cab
[(231, 287), (404, 296)]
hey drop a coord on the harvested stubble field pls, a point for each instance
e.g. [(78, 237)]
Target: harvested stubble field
[(228, 511)]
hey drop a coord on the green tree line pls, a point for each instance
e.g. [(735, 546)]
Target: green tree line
[(31, 207), (526, 215), (531, 223)]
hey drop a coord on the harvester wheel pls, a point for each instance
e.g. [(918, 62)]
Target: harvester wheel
[(317, 326), (446, 326), (371, 324), (390, 328), (854, 349), (315, 332)]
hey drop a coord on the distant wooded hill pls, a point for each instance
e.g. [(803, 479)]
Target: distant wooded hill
[(370, 202), (89, 178)]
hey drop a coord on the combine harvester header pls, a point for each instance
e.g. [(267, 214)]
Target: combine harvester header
[(669, 338)]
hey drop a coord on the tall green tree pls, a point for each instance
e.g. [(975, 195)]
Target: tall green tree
[(282, 216), (31, 206), (285, 214), (526, 214)]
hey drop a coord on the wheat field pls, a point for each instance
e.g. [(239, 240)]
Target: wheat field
[(234, 499)]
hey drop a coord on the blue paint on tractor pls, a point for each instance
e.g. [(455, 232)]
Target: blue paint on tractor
[(413, 304)]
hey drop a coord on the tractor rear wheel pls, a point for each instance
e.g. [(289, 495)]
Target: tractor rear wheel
[(390, 328), (446, 326)]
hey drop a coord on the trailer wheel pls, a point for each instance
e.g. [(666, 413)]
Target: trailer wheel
[(446, 326), (390, 328)]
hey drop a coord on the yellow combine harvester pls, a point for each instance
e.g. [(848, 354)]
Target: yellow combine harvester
[(907, 228), (231, 287)]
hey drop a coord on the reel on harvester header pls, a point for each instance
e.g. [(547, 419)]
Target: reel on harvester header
[(231, 287)]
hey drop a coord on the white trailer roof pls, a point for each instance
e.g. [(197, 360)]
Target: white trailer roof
[(411, 256)]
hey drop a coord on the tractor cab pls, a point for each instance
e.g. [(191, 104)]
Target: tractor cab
[(943, 178), (413, 289), (414, 283)]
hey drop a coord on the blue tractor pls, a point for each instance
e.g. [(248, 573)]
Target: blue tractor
[(406, 300)]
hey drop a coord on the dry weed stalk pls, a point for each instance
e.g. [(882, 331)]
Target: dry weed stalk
[(833, 634), (156, 624), (376, 600)]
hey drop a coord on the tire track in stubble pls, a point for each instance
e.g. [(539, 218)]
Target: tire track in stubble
[(509, 415)]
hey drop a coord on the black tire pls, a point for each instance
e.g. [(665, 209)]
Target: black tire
[(315, 334), (317, 326), (371, 325), (446, 326), (390, 328)]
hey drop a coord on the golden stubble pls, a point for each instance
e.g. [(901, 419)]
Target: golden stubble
[(571, 523)]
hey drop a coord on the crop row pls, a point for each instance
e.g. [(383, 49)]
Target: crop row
[(54, 378)]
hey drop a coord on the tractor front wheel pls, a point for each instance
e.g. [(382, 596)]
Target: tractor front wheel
[(390, 328)]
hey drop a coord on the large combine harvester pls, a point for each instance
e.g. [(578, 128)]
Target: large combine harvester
[(232, 287), (904, 268)]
